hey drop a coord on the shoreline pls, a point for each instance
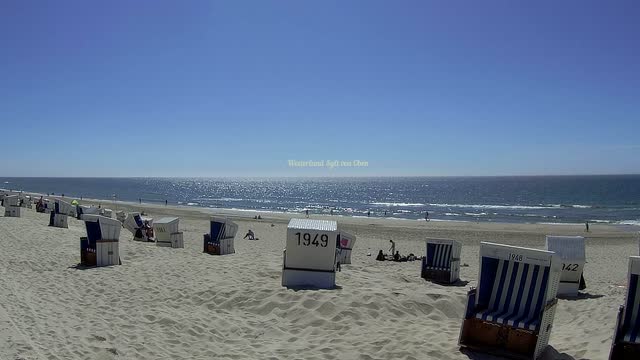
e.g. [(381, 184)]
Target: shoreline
[(357, 219)]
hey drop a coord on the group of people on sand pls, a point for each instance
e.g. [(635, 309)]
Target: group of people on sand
[(394, 255)]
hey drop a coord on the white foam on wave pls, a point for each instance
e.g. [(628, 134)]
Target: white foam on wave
[(476, 206), (630, 222), (396, 204)]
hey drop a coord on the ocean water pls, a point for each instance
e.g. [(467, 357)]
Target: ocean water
[(534, 199)]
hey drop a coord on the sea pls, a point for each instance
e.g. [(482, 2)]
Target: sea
[(611, 199)]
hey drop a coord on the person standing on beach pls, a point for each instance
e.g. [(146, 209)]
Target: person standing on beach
[(392, 249), (426, 216), (306, 211), (586, 226), (369, 213), (166, 202), (140, 200)]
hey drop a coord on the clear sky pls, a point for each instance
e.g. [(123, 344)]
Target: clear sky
[(212, 88)]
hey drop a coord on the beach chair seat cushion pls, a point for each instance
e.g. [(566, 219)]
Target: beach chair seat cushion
[(514, 293)]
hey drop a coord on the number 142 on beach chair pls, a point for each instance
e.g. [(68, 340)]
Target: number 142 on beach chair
[(511, 311)]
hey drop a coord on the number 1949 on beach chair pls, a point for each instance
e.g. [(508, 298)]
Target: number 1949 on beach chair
[(511, 311), (626, 339)]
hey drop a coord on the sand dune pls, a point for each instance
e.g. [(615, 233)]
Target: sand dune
[(183, 304)]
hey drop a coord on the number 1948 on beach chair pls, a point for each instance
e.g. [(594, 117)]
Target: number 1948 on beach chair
[(626, 339), (511, 311), (442, 261)]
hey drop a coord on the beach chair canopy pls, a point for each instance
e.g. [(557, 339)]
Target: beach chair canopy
[(222, 228), (440, 253), (311, 244), (567, 247), (101, 228), (167, 224), (133, 222), (347, 240), (512, 289), (11, 200), (63, 207)]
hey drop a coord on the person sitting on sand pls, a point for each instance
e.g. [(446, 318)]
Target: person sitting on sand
[(411, 257), (396, 256), (250, 235), (380, 256)]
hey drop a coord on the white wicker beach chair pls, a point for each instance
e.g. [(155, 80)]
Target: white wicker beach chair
[(136, 225), (167, 234), (311, 253), (101, 247), (511, 311), (442, 261), (11, 205), (347, 242), (221, 237), (60, 214), (626, 338), (571, 251)]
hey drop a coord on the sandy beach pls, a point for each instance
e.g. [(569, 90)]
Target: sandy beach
[(182, 304)]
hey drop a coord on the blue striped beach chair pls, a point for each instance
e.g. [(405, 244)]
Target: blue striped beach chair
[(442, 261), (511, 311), (221, 236), (626, 340)]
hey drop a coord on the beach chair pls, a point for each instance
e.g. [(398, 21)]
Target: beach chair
[(25, 201), (60, 214), (121, 216), (511, 311), (626, 338), (220, 239), (86, 210), (101, 246), (311, 254), (167, 234), (571, 251), (11, 205), (347, 241), (107, 213), (441, 263), (136, 224)]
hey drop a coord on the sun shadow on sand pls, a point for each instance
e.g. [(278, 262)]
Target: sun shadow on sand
[(300, 288), (459, 283), (549, 354), (581, 296)]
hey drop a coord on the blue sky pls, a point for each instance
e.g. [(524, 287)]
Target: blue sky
[(212, 88)]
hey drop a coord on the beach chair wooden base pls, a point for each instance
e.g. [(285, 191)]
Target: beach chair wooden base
[(438, 276), (60, 221), (87, 258), (625, 351), (13, 211), (498, 339)]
